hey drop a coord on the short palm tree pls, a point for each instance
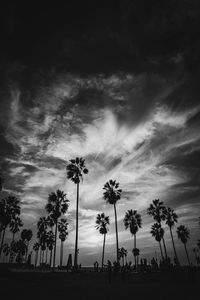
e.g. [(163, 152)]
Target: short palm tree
[(133, 221), (102, 223), (57, 206), (171, 218), (63, 233), (75, 170), (157, 231), (156, 210), (184, 235), (112, 194)]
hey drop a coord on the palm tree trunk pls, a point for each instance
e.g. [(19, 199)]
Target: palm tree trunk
[(174, 245), (164, 247), (2, 240), (76, 241), (54, 254), (51, 257), (161, 250), (36, 258), (187, 254), (46, 255), (104, 240), (135, 248), (27, 251), (61, 253), (117, 243), (40, 255)]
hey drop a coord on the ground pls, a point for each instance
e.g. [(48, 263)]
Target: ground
[(90, 285)]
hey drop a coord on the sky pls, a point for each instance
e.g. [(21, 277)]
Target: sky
[(118, 86)]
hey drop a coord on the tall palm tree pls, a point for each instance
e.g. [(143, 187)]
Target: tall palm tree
[(15, 225), (157, 231), (112, 194), (75, 170), (9, 209), (184, 235), (102, 223), (57, 206), (62, 229), (133, 221), (36, 247), (26, 236), (171, 218), (156, 210)]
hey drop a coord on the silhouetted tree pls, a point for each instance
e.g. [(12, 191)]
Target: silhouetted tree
[(112, 194), (26, 236), (57, 205), (157, 231), (75, 170), (9, 209), (50, 244), (156, 210), (171, 218), (15, 225), (62, 229), (133, 221), (102, 223), (184, 235)]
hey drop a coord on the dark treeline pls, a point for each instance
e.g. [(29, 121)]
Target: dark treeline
[(54, 226)]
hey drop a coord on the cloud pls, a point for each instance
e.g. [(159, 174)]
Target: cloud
[(125, 130)]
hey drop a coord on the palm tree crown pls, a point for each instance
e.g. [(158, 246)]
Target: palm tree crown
[(57, 204), (62, 228), (75, 169), (156, 210), (171, 216), (133, 221), (183, 233), (157, 231), (102, 223), (112, 194)]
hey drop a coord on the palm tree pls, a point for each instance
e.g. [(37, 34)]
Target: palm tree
[(157, 231), (75, 170), (15, 225), (171, 218), (41, 234), (112, 194), (102, 223), (26, 236), (62, 229), (133, 221), (57, 205), (50, 244), (156, 210), (136, 253), (9, 209), (184, 235), (36, 247)]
